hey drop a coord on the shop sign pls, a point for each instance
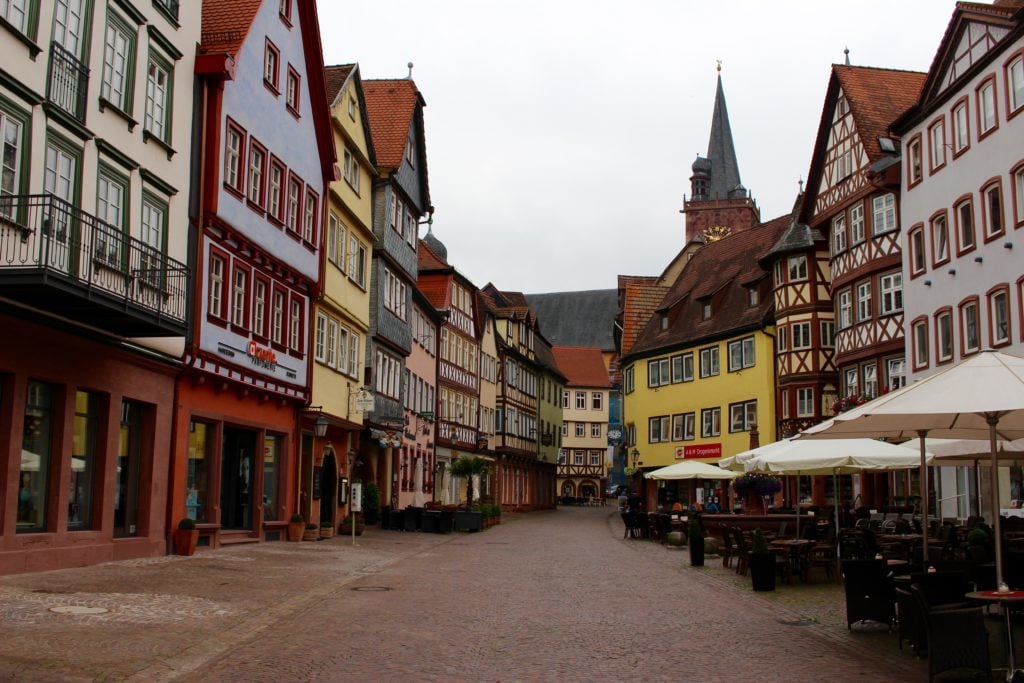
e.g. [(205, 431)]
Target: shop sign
[(710, 450), (262, 356)]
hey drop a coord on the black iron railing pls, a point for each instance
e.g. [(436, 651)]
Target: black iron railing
[(67, 81), (44, 233)]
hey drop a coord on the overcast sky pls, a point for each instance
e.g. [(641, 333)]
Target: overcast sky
[(560, 133)]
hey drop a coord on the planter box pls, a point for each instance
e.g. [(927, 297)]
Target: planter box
[(311, 535), (346, 529), (762, 571), (430, 521), (468, 521), (326, 532), (185, 541)]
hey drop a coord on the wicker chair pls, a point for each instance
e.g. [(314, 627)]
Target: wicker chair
[(742, 551), (910, 625), (957, 640), (728, 548), (869, 595)]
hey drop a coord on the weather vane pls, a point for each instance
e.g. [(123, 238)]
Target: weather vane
[(719, 67)]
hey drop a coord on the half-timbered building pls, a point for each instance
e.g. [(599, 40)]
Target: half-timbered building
[(582, 462)]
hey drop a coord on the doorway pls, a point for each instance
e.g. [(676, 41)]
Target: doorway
[(236, 479), (329, 489)]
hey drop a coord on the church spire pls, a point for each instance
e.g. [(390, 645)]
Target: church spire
[(725, 172)]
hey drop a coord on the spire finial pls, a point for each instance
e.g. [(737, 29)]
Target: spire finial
[(410, 70), (846, 51), (718, 65), (801, 183)]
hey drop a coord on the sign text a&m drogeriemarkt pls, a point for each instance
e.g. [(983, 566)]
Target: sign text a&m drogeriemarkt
[(708, 450)]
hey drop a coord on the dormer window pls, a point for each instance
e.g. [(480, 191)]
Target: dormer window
[(664, 321), (706, 310), (753, 297), (410, 152)]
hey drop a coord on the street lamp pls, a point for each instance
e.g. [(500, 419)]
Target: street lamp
[(636, 458), (320, 426)]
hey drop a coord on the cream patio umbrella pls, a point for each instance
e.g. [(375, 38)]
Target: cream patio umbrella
[(736, 462), (691, 469), (969, 452), (980, 397)]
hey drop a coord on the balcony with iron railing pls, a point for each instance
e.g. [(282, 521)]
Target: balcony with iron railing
[(67, 82), (56, 258)]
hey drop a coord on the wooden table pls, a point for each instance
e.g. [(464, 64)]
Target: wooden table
[(1005, 600), (794, 545)]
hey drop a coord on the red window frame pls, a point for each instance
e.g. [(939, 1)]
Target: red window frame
[(294, 230), (268, 304), (932, 167), (996, 183), (914, 324), (917, 230), (243, 328), (966, 103), (936, 262), (957, 204), (273, 85), (314, 228), (915, 142), (240, 167), (989, 297), (967, 301), (220, 317), (261, 193), (281, 345), (286, 15), (944, 311), (1016, 191), (293, 102), (989, 80), (276, 163), (1010, 111), (1020, 305), (298, 350)]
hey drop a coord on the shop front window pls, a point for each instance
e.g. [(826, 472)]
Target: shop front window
[(271, 469), (83, 460), (197, 477), (36, 442), (129, 462)]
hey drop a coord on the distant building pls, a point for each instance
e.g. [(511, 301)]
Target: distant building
[(583, 460), (549, 410)]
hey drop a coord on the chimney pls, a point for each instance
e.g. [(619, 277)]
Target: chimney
[(755, 437)]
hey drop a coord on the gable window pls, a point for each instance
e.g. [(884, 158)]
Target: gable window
[(920, 335), (351, 170), (272, 67), (257, 163), (937, 145), (970, 338), (1015, 84), (709, 361), (844, 308), (158, 99), (963, 214), (857, 224), (291, 93), (657, 373), (741, 354), (961, 128), (801, 335), (742, 416), (828, 334), (797, 267), (916, 239), (999, 316), (987, 113), (914, 161), (993, 210), (710, 422), (705, 310), (805, 402), (890, 291), (753, 296), (897, 371), (118, 61), (838, 234), (864, 301), (883, 214), (940, 240), (233, 144), (944, 336)]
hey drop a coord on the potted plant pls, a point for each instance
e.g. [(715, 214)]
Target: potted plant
[(296, 525), (186, 537), (696, 541), (312, 533), (346, 525), (979, 545), (762, 563), (469, 468), (756, 488), (371, 503), (326, 529)]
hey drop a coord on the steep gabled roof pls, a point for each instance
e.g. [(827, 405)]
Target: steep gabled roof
[(226, 24), (577, 318), (335, 78), (721, 268), (545, 358), (391, 104), (641, 296), (582, 366)]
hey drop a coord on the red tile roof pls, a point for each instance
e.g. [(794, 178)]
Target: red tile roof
[(427, 258), (721, 269), (641, 297), (876, 98), (390, 105), (335, 77), (226, 24), (583, 367)]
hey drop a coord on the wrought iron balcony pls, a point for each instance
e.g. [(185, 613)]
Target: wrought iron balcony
[(67, 82), (59, 259)]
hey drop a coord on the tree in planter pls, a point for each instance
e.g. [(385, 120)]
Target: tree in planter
[(296, 525), (371, 502), (186, 537), (469, 467)]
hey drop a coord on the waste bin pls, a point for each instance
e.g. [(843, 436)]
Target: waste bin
[(430, 521)]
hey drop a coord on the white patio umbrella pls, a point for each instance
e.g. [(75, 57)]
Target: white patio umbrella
[(969, 452), (691, 469), (980, 397), (736, 462), (835, 457)]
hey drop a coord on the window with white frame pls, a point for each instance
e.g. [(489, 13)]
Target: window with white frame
[(839, 234), (844, 309), (658, 372), (964, 213), (259, 307), (596, 400), (801, 335), (216, 285), (914, 160), (999, 312), (797, 267), (581, 400), (291, 93), (15, 12), (158, 98), (890, 293), (295, 325), (355, 360), (779, 277), (742, 416), (595, 430), (271, 66), (869, 379), (239, 296), (11, 145), (940, 239), (864, 301), (917, 251), (851, 382), (1018, 195), (805, 402), (1015, 83), (565, 398), (987, 106), (320, 341), (351, 170), (961, 128), (944, 336), (937, 144), (658, 429), (309, 216), (920, 334), (969, 323), (257, 162), (741, 354), (581, 429), (294, 202), (336, 235), (682, 368), (993, 195), (595, 458), (710, 422), (277, 313), (111, 201), (565, 429), (233, 158), (828, 334), (331, 355), (782, 338), (627, 380), (357, 261), (784, 404), (151, 258), (883, 214), (857, 233), (118, 55), (577, 457), (897, 370), (709, 361), (395, 294)]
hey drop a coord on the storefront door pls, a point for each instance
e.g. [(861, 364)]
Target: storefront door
[(236, 479), (328, 489)]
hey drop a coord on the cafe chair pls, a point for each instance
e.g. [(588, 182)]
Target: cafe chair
[(727, 549), (958, 642), (869, 595), (910, 622)]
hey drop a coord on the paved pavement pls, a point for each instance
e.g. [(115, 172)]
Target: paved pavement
[(554, 595)]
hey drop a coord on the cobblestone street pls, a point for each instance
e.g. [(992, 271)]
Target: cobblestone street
[(546, 596)]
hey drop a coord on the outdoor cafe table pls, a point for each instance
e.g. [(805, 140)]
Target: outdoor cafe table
[(1005, 600), (794, 545)]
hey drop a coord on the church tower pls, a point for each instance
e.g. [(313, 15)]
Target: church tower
[(719, 204)]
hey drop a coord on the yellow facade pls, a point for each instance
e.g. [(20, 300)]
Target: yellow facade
[(677, 399)]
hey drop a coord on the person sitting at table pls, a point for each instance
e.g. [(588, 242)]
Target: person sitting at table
[(677, 507), (711, 507)]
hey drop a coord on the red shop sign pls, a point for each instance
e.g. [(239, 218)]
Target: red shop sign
[(711, 450)]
